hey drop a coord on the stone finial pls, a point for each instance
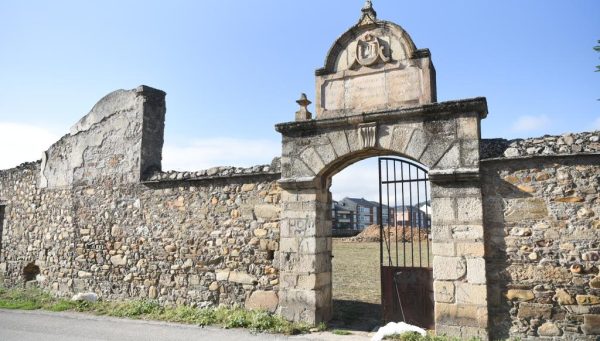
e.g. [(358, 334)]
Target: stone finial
[(303, 114), (369, 16)]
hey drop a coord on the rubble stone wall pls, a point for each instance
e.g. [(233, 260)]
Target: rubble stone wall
[(201, 239), (542, 226)]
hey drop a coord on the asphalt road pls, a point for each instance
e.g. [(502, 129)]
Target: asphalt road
[(47, 326)]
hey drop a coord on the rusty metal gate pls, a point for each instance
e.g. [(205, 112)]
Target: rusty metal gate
[(405, 246)]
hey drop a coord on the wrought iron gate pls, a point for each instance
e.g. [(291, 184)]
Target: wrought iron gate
[(404, 251)]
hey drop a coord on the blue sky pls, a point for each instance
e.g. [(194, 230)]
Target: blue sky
[(233, 69)]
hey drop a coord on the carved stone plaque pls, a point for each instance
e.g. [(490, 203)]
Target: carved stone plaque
[(368, 134), (373, 91)]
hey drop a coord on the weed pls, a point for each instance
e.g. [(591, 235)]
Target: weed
[(341, 332)]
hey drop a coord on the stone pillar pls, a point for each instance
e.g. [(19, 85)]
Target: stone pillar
[(460, 289), (305, 253)]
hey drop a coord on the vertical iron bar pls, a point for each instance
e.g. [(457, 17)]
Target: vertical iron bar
[(419, 220), (389, 240), (412, 236), (396, 205), (428, 220), (381, 248), (403, 220)]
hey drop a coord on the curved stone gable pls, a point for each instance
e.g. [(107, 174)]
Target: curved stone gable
[(373, 66)]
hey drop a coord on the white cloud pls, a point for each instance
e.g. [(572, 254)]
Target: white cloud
[(357, 181), (531, 123), (205, 153), (23, 143), (596, 124)]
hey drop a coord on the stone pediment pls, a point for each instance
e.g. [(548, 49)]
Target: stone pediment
[(373, 66)]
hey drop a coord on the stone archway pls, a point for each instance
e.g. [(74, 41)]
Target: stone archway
[(374, 103)]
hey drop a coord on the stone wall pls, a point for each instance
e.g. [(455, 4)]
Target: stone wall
[(542, 219), (205, 240)]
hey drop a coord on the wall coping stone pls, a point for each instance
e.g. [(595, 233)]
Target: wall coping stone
[(547, 145), (216, 173), (540, 157), (473, 105)]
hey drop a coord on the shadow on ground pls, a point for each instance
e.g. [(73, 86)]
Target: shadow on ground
[(355, 315)]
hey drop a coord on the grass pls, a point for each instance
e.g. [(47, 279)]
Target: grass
[(259, 321), (418, 337), (341, 332), (356, 274)]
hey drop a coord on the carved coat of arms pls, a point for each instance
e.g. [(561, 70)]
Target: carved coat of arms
[(370, 51)]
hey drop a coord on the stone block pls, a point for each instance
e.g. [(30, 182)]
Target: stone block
[(470, 249), (449, 268), (308, 245), (476, 273), (313, 281), (339, 142), (443, 291), (535, 311), (443, 210), (440, 232), (248, 187), (587, 299), (468, 127), (462, 333), (591, 324), (520, 295), (326, 153), (242, 278), (562, 297), (525, 209), (435, 151), (400, 137), (311, 306), (450, 160), (443, 249), (312, 160), (263, 300), (306, 263), (549, 329), (461, 315), (469, 150), (418, 142), (467, 293), (222, 275), (267, 212), (118, 260), (469, 209), (467, 232)]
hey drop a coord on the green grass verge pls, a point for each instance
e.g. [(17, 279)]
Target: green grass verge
[(418, 337), (259, 321), (341, 332)]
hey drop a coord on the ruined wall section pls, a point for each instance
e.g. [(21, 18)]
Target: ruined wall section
[(38, 229), (120, 140), (203, 241), (542, 225)]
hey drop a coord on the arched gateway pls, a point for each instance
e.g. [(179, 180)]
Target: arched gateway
[(376, 95)]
